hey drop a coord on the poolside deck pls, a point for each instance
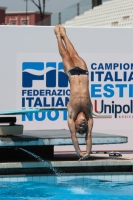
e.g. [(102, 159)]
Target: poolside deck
[(68, 163)]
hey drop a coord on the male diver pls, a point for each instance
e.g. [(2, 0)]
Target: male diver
[(79, 107)]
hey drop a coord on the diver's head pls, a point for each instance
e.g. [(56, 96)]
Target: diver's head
[(81, 123)]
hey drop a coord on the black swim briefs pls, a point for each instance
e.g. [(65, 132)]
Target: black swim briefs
[(77, 71)]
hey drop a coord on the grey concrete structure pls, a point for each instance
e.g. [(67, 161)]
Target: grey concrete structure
[(102, 163), (57, 137), (29, 154), (63, 164)]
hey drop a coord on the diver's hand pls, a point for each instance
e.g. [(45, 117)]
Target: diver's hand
[(84, 157), (80, 154)]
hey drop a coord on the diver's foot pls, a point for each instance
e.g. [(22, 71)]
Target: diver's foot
[(62, 31), (57, 30)]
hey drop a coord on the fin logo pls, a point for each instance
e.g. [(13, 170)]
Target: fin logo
[(31, 69), (27, 76)]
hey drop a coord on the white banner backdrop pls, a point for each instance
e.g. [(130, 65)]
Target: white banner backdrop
[(32, 76), (41, 82)]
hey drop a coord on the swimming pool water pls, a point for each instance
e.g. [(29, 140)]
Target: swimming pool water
[(74, 189)]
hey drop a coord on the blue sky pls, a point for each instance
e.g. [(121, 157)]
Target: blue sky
[(53, 6)]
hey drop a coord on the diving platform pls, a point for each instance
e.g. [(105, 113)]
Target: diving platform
[(57, 138), (42, 142)]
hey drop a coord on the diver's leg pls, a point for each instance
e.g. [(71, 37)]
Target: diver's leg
[(77, 60), (67, 61)]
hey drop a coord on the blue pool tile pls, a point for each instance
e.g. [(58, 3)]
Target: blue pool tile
[(36, 179), (21, 179), (6, 179), (129, 177), (13, 179), (29, 178), (65, 178), (108, 177), (80, 179), (94, 177), (115, 178), (72, 177), (50, 179), (86, 177), (101, 177), (43, 179), (122, 178), (59, 179)]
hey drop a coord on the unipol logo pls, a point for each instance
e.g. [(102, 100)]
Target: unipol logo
[(34, 71), (44, 85)]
